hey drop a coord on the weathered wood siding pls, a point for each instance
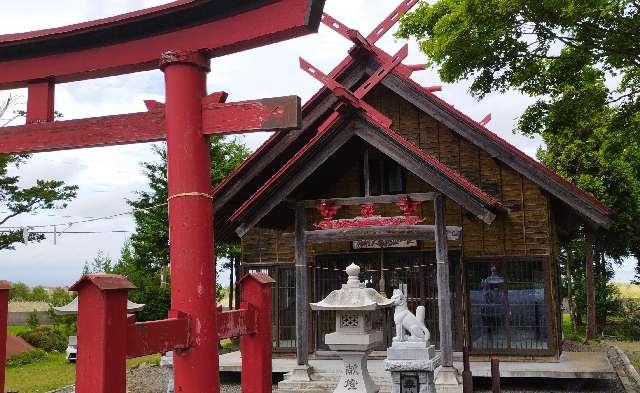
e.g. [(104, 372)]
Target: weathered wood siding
[(525, 230)]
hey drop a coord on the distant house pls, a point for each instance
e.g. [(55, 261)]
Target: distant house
[(20, 311)]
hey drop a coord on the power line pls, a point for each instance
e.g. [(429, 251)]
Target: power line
[(70, 223), (71, 232)]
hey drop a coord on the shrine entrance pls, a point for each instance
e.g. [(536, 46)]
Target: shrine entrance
[(384, 269)]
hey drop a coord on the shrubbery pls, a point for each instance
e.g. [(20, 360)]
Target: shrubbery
[(21, 292), (22, 359), (625, 324), (46, 338)]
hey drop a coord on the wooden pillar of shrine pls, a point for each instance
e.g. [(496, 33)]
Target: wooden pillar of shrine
[(447, 375), (444, 293), (302, 306), (592, 330), (191, 220)]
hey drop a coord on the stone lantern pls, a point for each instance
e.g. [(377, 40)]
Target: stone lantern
[(354, 337)]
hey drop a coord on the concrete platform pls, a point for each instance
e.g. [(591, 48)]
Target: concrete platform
[(586, 365)]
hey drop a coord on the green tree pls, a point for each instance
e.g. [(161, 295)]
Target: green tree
[(19, 292), (581, 61), (60, 297), (565, 54), (145, 259), (33, 321), (101, 263), (39, 294), (15, 199)]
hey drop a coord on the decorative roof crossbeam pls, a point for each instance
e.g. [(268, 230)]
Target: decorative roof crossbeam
[(388, 64), (368, 216), (368, 43)]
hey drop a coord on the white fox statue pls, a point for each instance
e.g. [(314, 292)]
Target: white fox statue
[(406, 321)]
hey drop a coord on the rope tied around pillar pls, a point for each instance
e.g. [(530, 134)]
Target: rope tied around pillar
[(190, 194)]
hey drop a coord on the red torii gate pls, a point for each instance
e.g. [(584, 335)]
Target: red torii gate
[(179, 38)]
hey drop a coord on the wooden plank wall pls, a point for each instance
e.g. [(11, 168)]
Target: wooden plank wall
[(525, 230)]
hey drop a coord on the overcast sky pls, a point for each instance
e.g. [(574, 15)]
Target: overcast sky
[(108, 176)]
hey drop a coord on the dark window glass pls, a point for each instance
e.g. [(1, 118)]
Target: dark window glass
[(393, 178), (507, 305), (283, 306), (386, 177), (286, 283), (375, 177)]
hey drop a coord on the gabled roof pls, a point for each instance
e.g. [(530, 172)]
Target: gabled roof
[(581, 201), (281, 147), (326, 143), (280, 153)]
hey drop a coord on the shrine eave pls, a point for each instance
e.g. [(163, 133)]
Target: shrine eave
[(133, 41), (324, 144)]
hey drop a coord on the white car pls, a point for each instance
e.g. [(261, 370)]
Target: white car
[(72, 349)]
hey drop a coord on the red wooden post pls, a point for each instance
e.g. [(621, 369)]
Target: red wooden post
[(102, 327), (4, 310), (256, 349), (40, 99), (191, 220)]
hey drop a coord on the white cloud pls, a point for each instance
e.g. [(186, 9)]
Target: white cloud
[(107, 176)]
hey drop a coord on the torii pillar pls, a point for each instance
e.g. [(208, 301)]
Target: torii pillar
[(191, 247)]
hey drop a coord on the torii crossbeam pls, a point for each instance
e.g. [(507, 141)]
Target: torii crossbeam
[(178, 38)]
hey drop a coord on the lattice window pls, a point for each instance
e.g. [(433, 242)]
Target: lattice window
[(349, 321)]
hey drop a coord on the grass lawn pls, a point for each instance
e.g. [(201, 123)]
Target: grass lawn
[(49, 374), (15, 329), (569, 332), (54, 372)]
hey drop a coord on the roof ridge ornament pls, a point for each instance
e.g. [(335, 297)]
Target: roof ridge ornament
[(387, 62)]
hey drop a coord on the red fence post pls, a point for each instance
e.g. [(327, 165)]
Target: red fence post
[(256, 349), (4, 310), (102, 330)]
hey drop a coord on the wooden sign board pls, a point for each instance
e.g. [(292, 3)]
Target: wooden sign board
[(378, 244)]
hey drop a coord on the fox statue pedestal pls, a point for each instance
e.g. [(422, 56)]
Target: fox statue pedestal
[(411, 360), (411, 365)]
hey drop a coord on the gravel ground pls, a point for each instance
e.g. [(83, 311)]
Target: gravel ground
[(574, 346), (153, 379)]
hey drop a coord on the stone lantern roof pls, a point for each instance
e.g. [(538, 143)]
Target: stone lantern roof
[(353, 296)]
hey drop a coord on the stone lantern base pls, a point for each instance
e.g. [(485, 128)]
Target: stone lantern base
[(411, 365), (355, 376)]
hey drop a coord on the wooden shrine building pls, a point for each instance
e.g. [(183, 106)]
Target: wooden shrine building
[(357, 183)]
